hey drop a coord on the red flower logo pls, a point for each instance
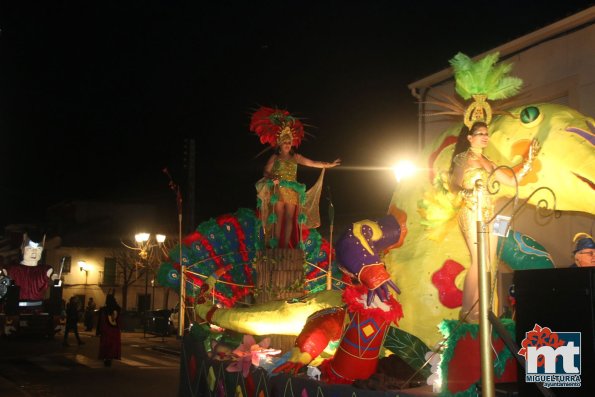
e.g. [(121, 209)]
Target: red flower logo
[(539, 337)]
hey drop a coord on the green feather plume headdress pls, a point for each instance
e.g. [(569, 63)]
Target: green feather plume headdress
[(484, 77), (481, 81)]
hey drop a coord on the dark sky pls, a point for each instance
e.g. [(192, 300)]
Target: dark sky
[(97, 97)]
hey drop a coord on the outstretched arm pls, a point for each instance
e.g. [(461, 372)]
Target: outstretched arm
[(505, 177), (508, 179), (316, 164)]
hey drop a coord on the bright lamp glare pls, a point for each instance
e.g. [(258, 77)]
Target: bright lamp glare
[(160, 238), (83, 266), (403, 169), (141, 237)]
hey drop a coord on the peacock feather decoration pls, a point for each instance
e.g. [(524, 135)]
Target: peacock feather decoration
[(221, 252)]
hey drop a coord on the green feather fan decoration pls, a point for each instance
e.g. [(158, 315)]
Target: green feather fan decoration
[(484, 77)]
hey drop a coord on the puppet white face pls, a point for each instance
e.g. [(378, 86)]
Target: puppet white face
[(31, 254)]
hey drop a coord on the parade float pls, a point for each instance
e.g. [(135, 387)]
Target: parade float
[(378, 310)]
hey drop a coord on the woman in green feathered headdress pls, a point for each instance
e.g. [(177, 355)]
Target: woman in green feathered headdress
[(481, 81)]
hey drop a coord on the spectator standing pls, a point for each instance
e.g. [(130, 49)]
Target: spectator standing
[(109, 331), (72, 314), (89, 312)]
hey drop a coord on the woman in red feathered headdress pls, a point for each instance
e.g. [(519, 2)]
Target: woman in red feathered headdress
[(279, 188)]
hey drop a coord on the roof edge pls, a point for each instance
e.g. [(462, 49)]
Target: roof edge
[(550, 31)]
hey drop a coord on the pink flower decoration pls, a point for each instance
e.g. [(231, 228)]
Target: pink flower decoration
[(250, 352)]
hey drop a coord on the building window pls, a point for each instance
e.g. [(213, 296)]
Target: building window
[(109, 271), (143, 302)]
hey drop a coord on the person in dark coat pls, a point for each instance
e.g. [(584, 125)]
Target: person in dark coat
[(108, 328), (72, 316), (89, 313)]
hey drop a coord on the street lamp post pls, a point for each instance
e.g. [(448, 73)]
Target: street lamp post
[(182, 302), (153, 294), (145, 305), (145, 247), (84, 268)]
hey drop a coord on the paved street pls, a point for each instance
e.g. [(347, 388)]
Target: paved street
[(32, 367)]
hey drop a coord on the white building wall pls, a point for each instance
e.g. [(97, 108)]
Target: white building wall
[(90, 284), (560, 70)]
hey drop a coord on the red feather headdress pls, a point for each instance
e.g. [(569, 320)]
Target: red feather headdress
[(274, 126)]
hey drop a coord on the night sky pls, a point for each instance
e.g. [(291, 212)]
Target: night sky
[(96, 98)]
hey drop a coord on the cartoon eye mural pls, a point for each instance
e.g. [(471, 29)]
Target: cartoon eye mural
[(531, 116)]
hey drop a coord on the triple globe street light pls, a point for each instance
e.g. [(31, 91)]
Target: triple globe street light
[(145, 247), (145, 244)]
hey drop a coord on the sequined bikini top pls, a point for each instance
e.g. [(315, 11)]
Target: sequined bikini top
[(285, 170)]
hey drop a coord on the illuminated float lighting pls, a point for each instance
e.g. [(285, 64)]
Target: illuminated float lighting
[(273, 317), (404, 169)]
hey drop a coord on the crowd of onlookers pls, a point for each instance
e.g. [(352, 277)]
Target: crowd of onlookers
[(108, 325)]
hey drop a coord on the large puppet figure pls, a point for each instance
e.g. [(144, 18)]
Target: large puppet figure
[(32, 278), (282, 201)]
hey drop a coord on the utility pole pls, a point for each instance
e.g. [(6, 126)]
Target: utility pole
[(190, 152)]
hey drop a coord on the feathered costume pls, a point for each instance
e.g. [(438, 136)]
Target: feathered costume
[(276, 126), (481, 80)]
